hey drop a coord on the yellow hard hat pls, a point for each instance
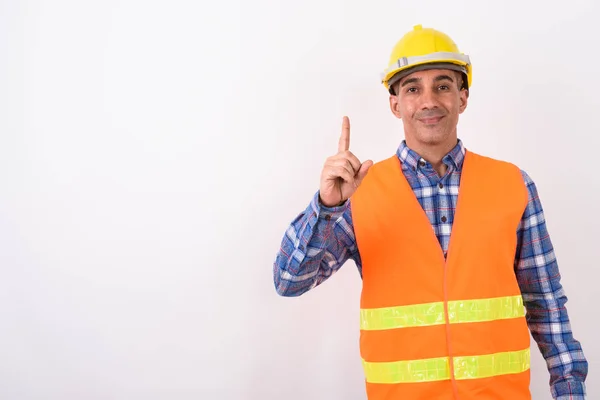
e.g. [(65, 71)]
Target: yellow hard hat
[(425, 48)]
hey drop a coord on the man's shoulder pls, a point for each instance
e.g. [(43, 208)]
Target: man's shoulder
[(490, 159), (504, 164)]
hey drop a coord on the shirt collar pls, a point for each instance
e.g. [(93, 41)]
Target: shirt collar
[(410, 158)]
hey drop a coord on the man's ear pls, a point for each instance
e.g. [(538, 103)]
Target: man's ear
[(464, 97), (395, 106)]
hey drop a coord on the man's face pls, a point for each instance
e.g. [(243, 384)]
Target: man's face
[(429, 103)]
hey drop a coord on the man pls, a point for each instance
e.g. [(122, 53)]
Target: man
[(456, 263)]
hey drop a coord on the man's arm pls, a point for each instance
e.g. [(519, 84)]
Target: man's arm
[(316, 244), (538, 275)]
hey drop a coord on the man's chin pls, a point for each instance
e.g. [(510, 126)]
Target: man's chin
[(433, 137)]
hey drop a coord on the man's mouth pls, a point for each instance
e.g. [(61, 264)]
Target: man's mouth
[(431, 120)]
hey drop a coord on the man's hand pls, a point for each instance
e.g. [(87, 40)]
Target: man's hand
[(343, 172)]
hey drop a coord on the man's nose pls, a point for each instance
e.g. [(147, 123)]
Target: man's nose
[(429, 99)]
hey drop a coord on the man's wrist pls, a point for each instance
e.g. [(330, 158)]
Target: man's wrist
[(325, 211), (322, 204)]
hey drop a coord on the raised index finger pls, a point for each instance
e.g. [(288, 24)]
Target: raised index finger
[(344, 143)]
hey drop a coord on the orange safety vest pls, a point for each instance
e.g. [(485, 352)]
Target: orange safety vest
[(435, 327)]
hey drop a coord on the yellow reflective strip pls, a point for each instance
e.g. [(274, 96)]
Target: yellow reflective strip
[(402, 316), (485, 309), (460, 311), (427, 370), (437, 369), (512, 362)]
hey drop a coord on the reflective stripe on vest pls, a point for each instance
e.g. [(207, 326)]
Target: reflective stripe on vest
[(437, 369), (459, 311)]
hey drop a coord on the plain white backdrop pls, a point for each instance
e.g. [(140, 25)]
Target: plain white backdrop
[(153, 153)]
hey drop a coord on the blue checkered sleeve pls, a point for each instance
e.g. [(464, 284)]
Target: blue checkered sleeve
[(538, 275), (315, 246)]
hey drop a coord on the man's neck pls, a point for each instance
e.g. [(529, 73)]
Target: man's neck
[(434, 154)]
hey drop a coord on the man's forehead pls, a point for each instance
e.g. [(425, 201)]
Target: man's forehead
[(430, 73)]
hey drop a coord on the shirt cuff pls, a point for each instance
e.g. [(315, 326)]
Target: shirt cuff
[(323, 211), (569, 390)]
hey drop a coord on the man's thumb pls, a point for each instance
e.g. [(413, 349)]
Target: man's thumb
[(364, 168)]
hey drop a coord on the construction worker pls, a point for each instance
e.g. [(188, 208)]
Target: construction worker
[(456, 263)]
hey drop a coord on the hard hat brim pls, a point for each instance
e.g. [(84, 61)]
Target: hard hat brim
[(451, 60)]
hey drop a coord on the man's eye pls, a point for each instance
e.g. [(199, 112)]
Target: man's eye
[(444, 87), (411, 89)]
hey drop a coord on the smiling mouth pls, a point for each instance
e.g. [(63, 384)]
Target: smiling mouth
[(431, 120)]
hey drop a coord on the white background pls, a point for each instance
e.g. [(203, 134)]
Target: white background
[(152, 155)]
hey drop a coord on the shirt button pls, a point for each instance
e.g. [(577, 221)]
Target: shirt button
[(327, 217), (441, 185), (444, 219), (422, 163)]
